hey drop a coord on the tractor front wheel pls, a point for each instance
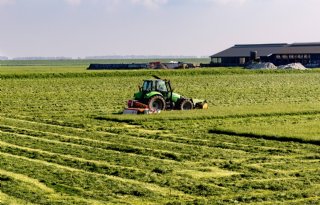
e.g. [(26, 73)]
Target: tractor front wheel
[(186, 104), (157, 103)]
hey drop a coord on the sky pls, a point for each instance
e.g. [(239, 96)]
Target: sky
[(79, 28)]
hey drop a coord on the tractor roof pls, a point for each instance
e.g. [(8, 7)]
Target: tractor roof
[(155, 80)]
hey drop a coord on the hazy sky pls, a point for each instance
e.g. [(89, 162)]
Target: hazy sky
[(151, 27)]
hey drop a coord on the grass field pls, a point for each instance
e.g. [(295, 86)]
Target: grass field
[(63, 141), (63, 66)]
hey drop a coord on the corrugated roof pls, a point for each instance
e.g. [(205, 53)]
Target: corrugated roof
[(304, 44), (260, 45), (243, 50), (301, 48)]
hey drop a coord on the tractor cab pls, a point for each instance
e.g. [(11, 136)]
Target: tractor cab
[(156, 85)]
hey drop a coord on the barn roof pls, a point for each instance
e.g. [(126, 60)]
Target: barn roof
[(301, 48), (243, 50)]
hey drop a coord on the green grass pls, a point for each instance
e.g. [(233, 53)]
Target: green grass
[(62, 140), (49, 66)]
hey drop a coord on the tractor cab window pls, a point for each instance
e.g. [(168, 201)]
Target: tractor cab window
[(161, 86), (147, 86)]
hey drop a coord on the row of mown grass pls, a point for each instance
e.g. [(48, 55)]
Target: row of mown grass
[(222, 168), (62, 143)]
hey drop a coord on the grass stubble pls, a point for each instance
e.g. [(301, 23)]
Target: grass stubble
[(62, 141)]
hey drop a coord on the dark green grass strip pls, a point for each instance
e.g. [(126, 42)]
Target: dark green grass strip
[(72, 181), (183, 184), (86, 152), (78, 163), (202, 147), (21, 190), (134, 73), (298, 197), (196, 148), (261, 136), (166, 146), (114, 146), (135, 120)]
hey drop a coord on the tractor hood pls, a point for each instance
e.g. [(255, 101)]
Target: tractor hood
[(175, 97), (152, 93), (142, 95)]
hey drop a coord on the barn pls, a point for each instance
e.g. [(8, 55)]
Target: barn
[(308, 54)]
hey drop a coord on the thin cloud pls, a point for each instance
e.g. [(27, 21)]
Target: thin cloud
[(144, 3), (150, 3), (225, 2), (74, 2), (6, 2)]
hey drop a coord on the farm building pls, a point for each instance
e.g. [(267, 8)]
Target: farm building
[(308, 54), (119, 66)]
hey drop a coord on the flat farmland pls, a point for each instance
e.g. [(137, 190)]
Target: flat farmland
[(63, 141)]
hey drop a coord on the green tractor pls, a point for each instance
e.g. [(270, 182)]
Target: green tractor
[(157, 94)]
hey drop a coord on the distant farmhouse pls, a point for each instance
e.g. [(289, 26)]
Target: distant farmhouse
[(308, 54)]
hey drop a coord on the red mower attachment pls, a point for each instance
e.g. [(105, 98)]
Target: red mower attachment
[(135, 108), (136, 104)]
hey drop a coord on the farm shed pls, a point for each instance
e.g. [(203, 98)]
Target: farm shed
[(118, 66), (308, 54)]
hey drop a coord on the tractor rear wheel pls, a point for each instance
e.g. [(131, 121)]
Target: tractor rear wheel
[(186, 104), (157, 103)]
